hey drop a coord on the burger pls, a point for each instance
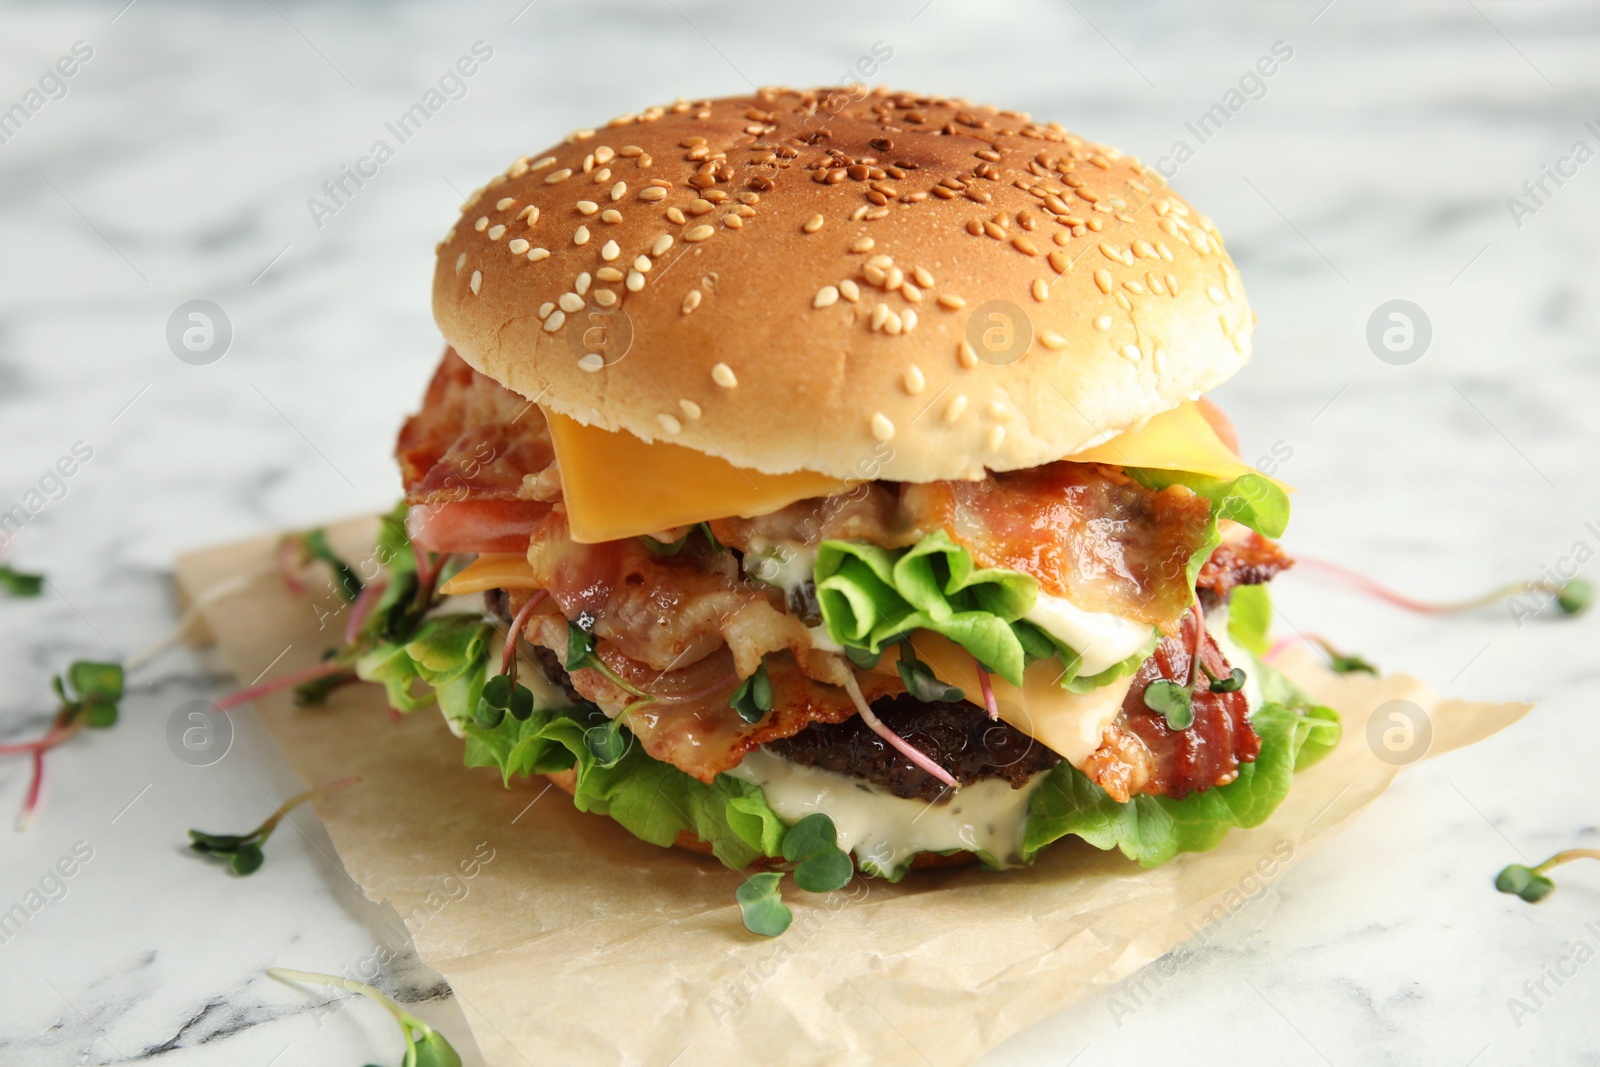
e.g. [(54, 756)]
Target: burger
[(846, 453)]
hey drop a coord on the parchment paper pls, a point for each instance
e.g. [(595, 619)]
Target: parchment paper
[(575, 943)]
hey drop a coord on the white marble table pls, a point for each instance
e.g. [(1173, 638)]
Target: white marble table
[(1374, 164)]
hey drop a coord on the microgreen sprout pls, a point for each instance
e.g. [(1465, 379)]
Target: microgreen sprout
[(920, 681), (812, 855), (243, 851), (15, 583), (425, 1046), (581, 655), (89, 694), (1572, 596), (753, 698), (1532, 883), (1338, 662)]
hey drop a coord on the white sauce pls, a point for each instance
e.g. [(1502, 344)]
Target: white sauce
[(885, 830), (1101, 639)]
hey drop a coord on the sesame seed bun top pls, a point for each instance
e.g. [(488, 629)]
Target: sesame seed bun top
[(794, 280)]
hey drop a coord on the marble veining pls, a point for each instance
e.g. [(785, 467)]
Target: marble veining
[(1377, 163)]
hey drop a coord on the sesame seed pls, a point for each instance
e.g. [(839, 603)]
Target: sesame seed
[(826, 297), (558, 175), (862, 244), (997, 437), (635, 281), (496, 232), (545, 309), (1059, 262), (608, 274), (1216, 294), (588, 207), (1024, 245), (557, 319), (1102, 278), (611, 215), (476, 283), (914, 381), (1145, 250), (698, 233), (604, 154), (880, 315), (1134, 287), (999, 410), (580, 236), (813, 224), (956, 408), (542, 163), (893, 324), (882, 428), (663, 243), (1166, 253), (605, 298), (669, 423), (908, 318), (1102, 323), (1172, 285), (732, 222), (923, 276), (1052, 340), (504, 202), (482, 224), (630, 150), (652, 193), (690, 302), (610, 250), (570, 303), (966, 356), (1041, 290), (1109, 252), (875, 275), (530, 213), (689, 408), (1157, 286), (723, 375), (911, 292), (461, 261), (518, 246), (1132, 353), (642, 264), (951, 302), (700, 206), (591, 362), (1124, 302), (850, 290)]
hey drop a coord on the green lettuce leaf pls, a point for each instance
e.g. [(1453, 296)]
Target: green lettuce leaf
[(449, 653), (1151, 830), (870, 595), (1250, 618), (1040, 644), (651, 799), (1254, 500)]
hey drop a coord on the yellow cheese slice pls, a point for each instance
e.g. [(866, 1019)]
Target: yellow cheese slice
[(1176, 440), (616, 485), (1071, 724), (492, 570)]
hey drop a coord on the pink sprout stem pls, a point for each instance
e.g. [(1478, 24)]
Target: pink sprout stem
[(366, 600), (989, 701), (1400, 600), (903, 746), (254, 692), (508, 658)]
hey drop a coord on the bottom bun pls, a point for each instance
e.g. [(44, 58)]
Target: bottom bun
[(568, 782)]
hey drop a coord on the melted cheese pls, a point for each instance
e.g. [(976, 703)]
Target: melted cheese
[(492, 570), (616, 485), (1070, 724), (886, 831), (1176, 440)]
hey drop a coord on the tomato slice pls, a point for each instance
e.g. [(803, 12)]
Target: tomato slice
[(474, 525)]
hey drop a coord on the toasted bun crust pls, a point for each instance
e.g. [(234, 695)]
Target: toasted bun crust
[(841, 281), (567, 781)]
